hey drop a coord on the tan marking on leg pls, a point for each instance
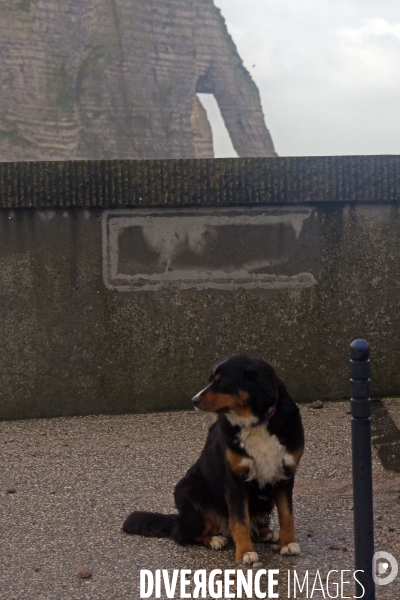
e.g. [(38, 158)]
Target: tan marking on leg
[(286, 521), (241, 535), (214, 523), (215, 530), (205, 539), (235, 461)]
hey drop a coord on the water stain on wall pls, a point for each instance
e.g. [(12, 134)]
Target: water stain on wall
[(210, 249)]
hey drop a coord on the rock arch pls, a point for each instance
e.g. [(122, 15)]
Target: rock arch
[(117, 78)]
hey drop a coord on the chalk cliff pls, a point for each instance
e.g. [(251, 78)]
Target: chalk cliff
[(118, 79)]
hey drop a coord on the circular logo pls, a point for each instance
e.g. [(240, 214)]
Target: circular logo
[(384, 568)]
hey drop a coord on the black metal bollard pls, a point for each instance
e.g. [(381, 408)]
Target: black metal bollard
[(362, 467)]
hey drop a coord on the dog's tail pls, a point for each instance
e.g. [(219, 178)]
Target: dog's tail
[(150, 524)]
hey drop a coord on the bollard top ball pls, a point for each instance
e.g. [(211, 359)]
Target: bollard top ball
[(359, 350)]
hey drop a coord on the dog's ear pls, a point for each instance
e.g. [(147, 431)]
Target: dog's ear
[(265, 375)]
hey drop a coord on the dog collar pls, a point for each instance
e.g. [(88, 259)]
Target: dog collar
[(267, 418)]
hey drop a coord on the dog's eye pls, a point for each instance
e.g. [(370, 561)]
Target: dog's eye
[(222, 381)]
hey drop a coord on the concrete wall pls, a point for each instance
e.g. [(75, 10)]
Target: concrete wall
[(113, 310)]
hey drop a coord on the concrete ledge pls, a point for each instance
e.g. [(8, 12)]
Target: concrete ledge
[(208, 182)]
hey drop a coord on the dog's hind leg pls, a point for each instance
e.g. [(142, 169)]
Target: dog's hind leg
[(260, 527), (189, 525), (196, 522), (214, 542), (267, 535), (188, 494), (216, 531)]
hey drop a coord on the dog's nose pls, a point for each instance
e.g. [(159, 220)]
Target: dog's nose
[(196, 401)]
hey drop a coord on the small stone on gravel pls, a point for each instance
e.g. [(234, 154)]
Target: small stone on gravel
[(258, 565), (334, 547), (317, 404), (84, 572), (11, 491)]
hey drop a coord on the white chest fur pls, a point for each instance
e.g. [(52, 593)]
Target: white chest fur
[(268, 456)]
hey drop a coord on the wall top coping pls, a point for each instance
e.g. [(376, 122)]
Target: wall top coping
[(191, 182)]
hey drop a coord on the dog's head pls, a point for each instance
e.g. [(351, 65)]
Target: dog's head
[(241, 388)]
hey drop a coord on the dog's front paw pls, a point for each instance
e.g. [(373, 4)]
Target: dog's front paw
[(217, 542), (249, 558), (291, 549)]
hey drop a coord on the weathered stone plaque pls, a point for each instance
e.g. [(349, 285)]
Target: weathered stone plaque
[(203, 248)]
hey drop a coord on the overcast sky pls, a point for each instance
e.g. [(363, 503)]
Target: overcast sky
[(328, 72)]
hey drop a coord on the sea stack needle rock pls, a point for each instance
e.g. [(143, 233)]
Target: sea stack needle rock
[(105, 79)]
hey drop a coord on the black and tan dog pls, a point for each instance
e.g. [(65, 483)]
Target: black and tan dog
[(246, 468)]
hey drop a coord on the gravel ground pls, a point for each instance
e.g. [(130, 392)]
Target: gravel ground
[(76, 479)]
